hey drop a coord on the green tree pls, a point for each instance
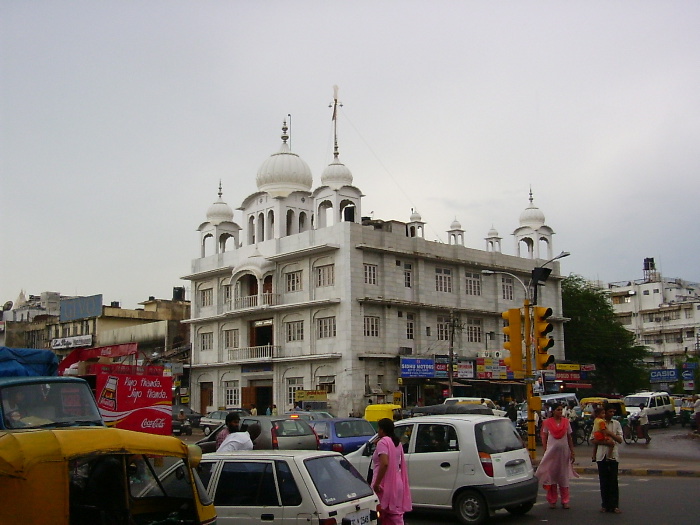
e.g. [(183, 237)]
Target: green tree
[(594, 335)]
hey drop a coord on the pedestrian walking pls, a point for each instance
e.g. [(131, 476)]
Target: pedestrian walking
[(556, 468), (253, 410), (390, 475), (607, 461)]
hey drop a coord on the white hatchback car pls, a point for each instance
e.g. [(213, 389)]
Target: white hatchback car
[(473, 464), (292, 486)]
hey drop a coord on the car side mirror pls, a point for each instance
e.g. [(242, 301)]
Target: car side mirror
[(369, 449)]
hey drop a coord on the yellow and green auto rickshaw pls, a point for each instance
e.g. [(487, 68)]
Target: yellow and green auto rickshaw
[(374, 413), (99, 476)]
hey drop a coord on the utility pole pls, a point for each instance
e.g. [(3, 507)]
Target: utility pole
[(451, 359)]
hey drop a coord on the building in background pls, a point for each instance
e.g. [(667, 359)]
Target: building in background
[(304, 293), (663, 314)]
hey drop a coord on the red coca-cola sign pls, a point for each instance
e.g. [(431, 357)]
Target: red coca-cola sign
[(135, 402)]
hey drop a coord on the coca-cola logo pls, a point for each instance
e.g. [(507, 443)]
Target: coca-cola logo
[(153, 423)]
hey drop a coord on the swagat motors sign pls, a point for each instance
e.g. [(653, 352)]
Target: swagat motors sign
[(664, 375)]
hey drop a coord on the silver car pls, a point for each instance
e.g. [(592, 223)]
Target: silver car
[(276, 432)]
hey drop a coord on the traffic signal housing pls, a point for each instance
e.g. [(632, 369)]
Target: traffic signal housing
[(514, 344), (543, 341)]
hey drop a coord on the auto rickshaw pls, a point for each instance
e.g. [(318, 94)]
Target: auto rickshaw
[(99, 476), (374, 413), (687, 411)]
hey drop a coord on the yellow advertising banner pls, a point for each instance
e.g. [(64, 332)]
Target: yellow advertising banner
[(310, 395), (568, 366)]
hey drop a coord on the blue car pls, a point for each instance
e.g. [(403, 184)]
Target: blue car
[(342, 434)]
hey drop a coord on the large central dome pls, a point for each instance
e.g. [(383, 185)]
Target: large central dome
[(284, 172)]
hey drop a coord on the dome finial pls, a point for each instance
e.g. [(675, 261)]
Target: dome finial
[(220, 193), (285, 136), (531, 199), (334, 118)]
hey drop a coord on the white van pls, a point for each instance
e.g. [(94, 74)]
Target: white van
[(473, 464), (661, 409), (475, 401)]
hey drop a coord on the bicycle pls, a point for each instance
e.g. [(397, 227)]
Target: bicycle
[(630, 432)]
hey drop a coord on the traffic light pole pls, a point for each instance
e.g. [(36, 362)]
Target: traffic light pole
[(529, 378)]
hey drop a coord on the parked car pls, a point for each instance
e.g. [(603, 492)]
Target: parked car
[(473, 464), (276, 432), (659, 405), (309, 414), (342, 435), (193, 416), (286, 487), (214, 419)]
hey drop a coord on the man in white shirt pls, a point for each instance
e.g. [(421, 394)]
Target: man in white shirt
[(607, 461), (644, 421), (241, 440)]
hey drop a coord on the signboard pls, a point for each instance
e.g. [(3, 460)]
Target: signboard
[(310, 395), (465, 370), (568, 376), (588, 368), (131, 402), (689, 385), (487, 368), (80, 308), (688, 374), (441, 364), (568, 367), (71, 342), (691, 364), (663, 375), (413, 367)]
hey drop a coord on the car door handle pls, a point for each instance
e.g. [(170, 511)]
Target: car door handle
[(515, 462), (445, 464), (267, 517)]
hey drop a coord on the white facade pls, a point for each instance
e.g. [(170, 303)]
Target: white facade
[(307, 294), (663, 313)]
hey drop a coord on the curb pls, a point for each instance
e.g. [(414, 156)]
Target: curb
[(643, 472)]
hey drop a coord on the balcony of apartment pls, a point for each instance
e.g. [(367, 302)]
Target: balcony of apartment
[(247, 302), (269, 353)]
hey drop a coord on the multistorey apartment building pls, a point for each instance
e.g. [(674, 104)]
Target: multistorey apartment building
[(304, 293)]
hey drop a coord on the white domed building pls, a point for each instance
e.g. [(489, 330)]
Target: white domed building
[(308, 295)]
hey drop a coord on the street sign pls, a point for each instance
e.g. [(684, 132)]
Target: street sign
[(687, 374), (663, 375)]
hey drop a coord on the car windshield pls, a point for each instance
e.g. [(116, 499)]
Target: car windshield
[(336, 480), (49, 405), (635, 401), (292, 427), (497, 436), (346, 429)]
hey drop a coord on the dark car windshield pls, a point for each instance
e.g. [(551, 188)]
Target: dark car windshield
[(336, 480), (497, 436), (359, 428)]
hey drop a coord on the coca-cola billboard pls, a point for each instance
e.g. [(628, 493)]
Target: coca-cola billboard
[(135, 402)]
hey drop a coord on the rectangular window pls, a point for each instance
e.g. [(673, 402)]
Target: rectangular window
[(232, 394), (443, 280), (410, 327), (407, 275), (473, 283), (645, 292), (688, 313), (293, 384), (231, 339), (507, 287), (325, 327), (325, 275), (370, 274), (326, 383), (371, 326), (293, 281), (206, 297), (473, 330), (206, 341), (227, 294), (295, 331), (443, 328)]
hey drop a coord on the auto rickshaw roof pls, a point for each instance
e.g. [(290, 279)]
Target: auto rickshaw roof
[(21, 449)]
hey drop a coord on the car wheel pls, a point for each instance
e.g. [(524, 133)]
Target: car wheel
[(471, 508), (666, 422), (207, 431), (521, 509)]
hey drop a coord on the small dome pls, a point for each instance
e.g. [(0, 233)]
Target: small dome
[(456, 225), (493, 232), (219, 212), (415, 216), (532, 216), (336, 175), (284, 172)]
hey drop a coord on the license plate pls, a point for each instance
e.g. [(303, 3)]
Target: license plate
[(515, 471), (361, 517)]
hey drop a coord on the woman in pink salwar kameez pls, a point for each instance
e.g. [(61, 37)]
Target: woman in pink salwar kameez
[(557, 465), (390, 477)]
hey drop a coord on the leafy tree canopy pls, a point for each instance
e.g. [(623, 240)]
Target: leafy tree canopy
[(594, 335)]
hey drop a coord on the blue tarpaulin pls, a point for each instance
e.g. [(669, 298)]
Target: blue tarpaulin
[(17, 362)]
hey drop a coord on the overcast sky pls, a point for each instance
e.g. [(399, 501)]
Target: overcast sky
[(119, 119)]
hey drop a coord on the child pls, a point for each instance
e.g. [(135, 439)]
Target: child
[(600, 432)]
